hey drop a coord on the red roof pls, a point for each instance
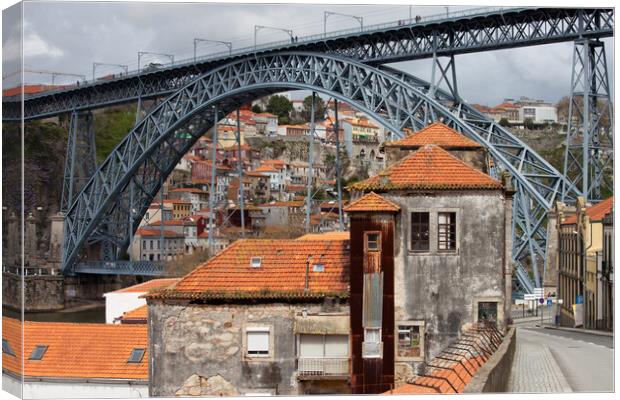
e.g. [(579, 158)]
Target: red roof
[(372, 202), (430, 167), (157, 232), (76, 351), (596, 212), (437, 134), (147, 286), (281, 273)]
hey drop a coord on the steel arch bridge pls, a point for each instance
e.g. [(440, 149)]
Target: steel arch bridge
[(133, 173)]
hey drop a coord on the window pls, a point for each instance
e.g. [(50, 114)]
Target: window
[(136, 355), (257, 341), (371, 347), (318, 268), (38, 352), (373, 241), (409, 340), (144, 245), (6, 348), (151, 244), (255, 262), (446, 229), (419, 231)]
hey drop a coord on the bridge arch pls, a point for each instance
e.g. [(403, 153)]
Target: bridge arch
[(125, 184)]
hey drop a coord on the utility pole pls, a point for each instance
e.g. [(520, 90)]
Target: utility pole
[(338, 171), (310, 162), (212, 189), (240, 163), (227, 44)]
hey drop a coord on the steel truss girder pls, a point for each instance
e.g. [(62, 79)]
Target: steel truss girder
[(589, 144), (495, 30), (394, 99)]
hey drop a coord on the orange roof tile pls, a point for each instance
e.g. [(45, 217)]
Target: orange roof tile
[(84, 350), (137, 315), (438, 134), (326, 236), (283, 204), (596, 212), (282, 271), (265, 168), (372, 202), (158, 232), (147, 286), (430, 167)]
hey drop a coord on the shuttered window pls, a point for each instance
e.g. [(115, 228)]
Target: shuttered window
[(257, 341), (446, 229)]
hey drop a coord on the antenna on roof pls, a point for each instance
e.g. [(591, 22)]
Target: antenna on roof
[(307, 287)]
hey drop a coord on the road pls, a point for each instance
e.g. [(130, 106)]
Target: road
[(549, 360)]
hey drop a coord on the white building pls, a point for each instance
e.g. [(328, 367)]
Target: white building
[(120, 301), (538, 114), (68, 360)]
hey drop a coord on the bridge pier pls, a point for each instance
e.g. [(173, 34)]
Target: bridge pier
[(589, 140)]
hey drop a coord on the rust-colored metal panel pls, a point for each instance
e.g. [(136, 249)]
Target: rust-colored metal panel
[(372, 375)]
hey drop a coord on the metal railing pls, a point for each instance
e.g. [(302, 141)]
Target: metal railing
[(321, 366), (147, 268), (401, 23), (30, 271)]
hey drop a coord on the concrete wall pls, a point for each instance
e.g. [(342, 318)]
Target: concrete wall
[(41, 293), (198, 349), (443, 289), (494, 374), (73, 389)]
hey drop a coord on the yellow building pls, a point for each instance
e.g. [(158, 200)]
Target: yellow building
[(580, 246)]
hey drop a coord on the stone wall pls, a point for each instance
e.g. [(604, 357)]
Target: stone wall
[(493, 376), (442, 290), (41, 293), (198, 349)]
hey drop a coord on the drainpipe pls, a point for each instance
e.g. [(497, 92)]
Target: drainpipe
[(307, 287)]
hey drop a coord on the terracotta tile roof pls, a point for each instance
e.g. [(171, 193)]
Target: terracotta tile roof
[(187, 190), (147, 286), (430, 167), (283, 204), (137, 315), (83, 350), (265, 168), (438, 134), (328, 236), (596, 212), (281, 274), (255, 174), (372, 202), (158, 232)]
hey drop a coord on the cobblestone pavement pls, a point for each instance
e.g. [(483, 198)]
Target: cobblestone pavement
[(534, 370)]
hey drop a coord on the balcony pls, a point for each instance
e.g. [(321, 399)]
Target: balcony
[(321, 367)]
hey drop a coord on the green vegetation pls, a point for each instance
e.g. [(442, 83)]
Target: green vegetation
[(280, 106), (111, 126), (319, 108)]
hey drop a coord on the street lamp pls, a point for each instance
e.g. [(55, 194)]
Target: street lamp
[(98, 64), (259, 27), (142, 53), (328, 13), (227, 44)]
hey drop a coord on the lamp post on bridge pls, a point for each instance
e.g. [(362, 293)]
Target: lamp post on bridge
[(227, 44), (98, 64), (328, 13), (259, 27), (142, 53)]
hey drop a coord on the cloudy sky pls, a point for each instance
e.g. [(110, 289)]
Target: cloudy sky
[(70, 36)]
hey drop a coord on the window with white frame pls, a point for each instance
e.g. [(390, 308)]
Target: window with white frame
[(257, 341), (410, 340), (371, 348), (446, 230)]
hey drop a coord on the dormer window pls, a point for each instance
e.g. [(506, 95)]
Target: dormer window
[(136, 355), (255, 262), (318, 268), (6, 348), (38, 352)]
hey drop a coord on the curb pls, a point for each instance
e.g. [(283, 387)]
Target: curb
[(578, 330)]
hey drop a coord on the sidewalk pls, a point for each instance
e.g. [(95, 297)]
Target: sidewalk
[(534, 370), (579, 330)]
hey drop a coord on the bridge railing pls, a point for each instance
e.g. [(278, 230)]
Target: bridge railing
[(146, 268), (472, 12)]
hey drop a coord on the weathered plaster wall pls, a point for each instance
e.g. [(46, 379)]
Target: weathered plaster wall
[(443, 289), (41, 293), (198, 350)]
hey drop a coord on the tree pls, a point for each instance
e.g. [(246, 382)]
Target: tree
[(319, 108), (280, 106), (504, 122), (256, 109), (528, 123)]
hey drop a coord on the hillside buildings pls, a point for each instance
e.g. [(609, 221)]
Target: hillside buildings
[(522, 110)]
